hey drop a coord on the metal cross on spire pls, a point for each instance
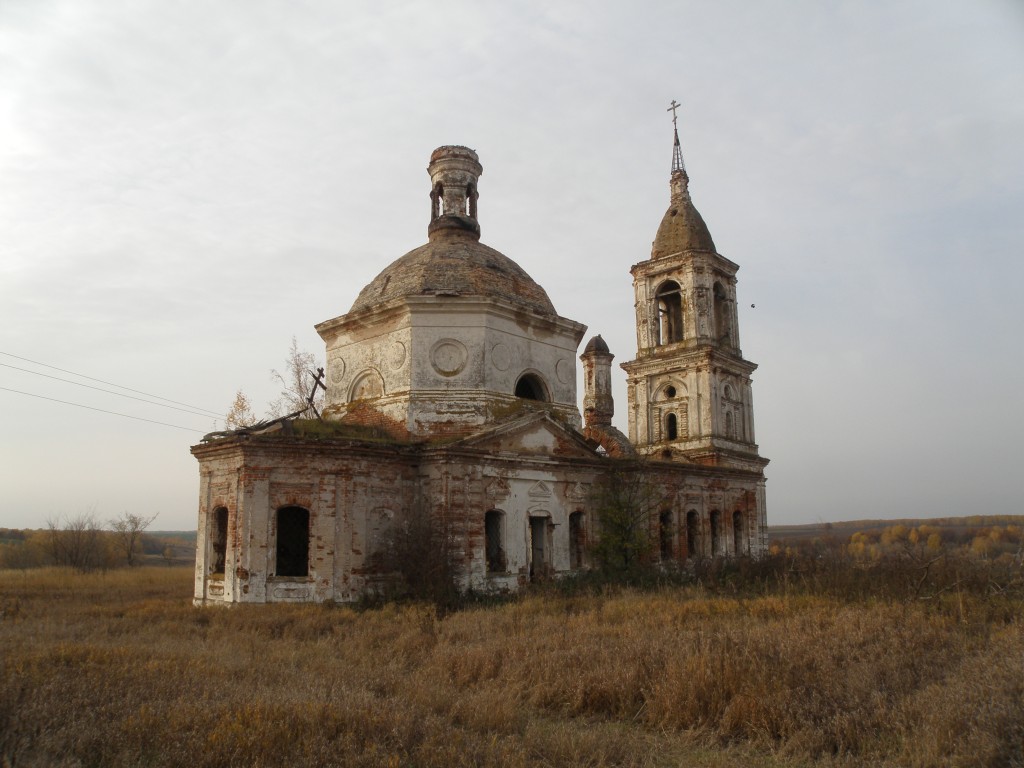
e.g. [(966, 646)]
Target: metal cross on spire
[(672, 108), (677, 152)]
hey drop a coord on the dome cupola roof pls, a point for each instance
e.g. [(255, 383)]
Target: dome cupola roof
[(682, 228), (597, 345), (454, 262)]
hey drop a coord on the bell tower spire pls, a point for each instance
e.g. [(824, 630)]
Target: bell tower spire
[(677, 152), (679, 182), (689, 387)]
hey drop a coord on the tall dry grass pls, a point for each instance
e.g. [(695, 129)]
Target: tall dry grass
[(120, 670)]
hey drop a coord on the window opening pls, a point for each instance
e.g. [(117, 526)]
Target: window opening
[(692, 522), (576, 540), (292, 541), (436, 202), (530, 387), (669, 301), (672, 427), (737, 532), (220, 539), (670, 391), (665, 534), (493, 542), (538, 547)]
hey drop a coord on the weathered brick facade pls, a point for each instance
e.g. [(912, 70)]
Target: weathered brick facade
[(451, 391)]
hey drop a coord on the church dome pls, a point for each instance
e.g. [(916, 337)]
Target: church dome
[(682, 229), (454, 265), (454, 262)]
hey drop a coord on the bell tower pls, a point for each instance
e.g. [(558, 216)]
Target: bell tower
[(689, 387)]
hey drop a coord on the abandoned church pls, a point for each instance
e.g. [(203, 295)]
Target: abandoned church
[(451, 392)]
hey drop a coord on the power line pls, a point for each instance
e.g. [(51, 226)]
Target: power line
[(89, 407), (108, 391), (119, 386)]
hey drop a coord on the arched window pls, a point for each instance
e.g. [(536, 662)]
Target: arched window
[(494, 541), (577, 540), (292, 541), (436, 201), (738, 532), (692, 533), (219, 538), (531, 387), (665, 534), (730, 425), (671, 427), (471, 200), (716, 532), (669, 301)]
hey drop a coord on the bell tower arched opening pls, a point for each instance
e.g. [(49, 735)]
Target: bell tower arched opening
[(669, 303)]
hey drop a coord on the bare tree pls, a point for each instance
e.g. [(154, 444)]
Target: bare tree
[(626, 503), (76, 542), (128, 530), (297, 382), (419, 550), (241, 414)]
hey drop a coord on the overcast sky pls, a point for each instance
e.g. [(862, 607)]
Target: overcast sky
[(184, 186)]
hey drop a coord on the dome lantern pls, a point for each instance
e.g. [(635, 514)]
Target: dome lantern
[(454, 171)]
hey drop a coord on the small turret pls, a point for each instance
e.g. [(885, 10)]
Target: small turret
[(598, 406), (454, 172)]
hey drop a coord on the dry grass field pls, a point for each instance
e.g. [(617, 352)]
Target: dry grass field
[(118, 669)]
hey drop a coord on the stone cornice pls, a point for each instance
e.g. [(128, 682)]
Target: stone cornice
[(443, 303), (680, 358), (672, 263)]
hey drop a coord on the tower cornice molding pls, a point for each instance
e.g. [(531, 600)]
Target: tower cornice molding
[(651, 267), (688, 359)]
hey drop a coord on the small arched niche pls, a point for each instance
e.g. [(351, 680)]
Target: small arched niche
[(367, 386), (721, 313)]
